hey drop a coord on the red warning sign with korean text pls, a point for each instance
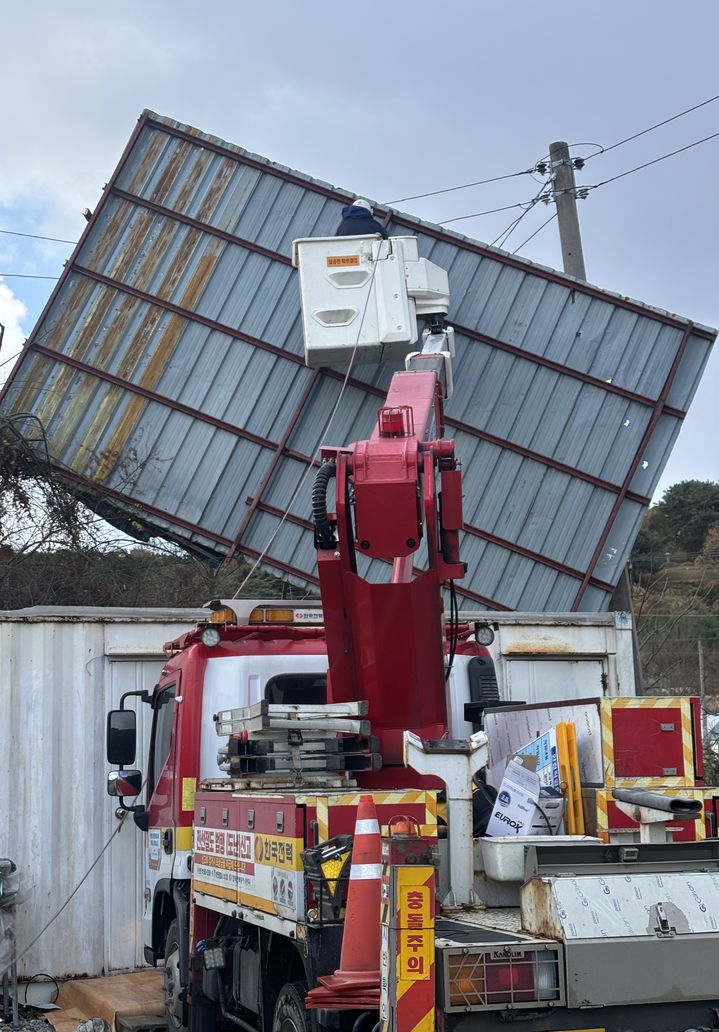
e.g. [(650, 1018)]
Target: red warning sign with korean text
[(416, 936)]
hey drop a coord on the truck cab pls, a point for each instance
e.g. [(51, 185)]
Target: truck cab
[(254, 650)]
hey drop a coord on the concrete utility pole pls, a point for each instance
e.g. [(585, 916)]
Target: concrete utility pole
[(565, 198), (566, 201)]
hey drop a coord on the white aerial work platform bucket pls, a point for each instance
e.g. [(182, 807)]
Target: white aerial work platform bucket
[(361, 296)]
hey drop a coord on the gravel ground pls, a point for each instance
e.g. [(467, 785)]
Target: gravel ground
[(28, 1024)]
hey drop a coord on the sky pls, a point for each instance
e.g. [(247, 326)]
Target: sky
[(389, 99)]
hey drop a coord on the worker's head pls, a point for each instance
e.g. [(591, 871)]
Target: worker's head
[(360, 202)]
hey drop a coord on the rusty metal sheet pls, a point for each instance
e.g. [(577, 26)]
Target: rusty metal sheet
[(167, 371)]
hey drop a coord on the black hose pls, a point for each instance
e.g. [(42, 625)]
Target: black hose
[(365, 1022), (324, 527)]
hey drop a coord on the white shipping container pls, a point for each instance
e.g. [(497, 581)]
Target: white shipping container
[(61, 670)]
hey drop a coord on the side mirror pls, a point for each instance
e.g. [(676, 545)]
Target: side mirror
[(141, 817), (124, 782), (121, 737)]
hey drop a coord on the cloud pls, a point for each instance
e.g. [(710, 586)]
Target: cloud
[(394, 99), (12, 314)]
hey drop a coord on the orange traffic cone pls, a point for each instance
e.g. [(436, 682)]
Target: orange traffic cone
[(355, 983)]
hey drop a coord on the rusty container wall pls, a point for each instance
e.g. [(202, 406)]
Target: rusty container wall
[(61, 670), (165, 379)]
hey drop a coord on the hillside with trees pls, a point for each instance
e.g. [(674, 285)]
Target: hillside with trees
[(675, 574)]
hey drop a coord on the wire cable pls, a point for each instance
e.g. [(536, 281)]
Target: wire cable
[(666, 121), (646, 164), (47, 978), (525, 242), (24, 275), (462, 186), (527, 208), (476, 215), (586, 143), (505, 234), (72, 895), (325, 431), (453, 628), (34, 236)]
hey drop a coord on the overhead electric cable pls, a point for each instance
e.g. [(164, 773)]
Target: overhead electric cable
[(500, 240), (24, 275), (651, 128), (527, 208), (525, 242), (476, 215), (462, 186), (34, 236), (646, 164)]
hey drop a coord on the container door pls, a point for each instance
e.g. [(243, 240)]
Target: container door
[(552, 680), (125, 870)]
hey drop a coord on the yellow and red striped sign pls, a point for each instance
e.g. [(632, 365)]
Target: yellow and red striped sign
[(399, 799), (407, 999)]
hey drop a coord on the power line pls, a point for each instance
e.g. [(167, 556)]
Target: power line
[(602, 150), (525, 242), (462, 186), (34, 236), (646, 164), (511, 228), (500, 240), (476, 215), (528, 205), (651, 128), (24, 275)]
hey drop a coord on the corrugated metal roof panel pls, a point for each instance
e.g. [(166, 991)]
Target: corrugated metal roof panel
[(167, 371)]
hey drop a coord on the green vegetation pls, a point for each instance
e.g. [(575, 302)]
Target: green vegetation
[(675, 573), (688, 511), (131, 576)]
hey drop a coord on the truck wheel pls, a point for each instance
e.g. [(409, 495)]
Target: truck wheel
[(290, 1014), (175, 1008)]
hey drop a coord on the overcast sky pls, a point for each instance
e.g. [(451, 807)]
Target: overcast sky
[(389, 99)]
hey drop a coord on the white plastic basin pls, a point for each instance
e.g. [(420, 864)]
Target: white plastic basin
[(503, 856)]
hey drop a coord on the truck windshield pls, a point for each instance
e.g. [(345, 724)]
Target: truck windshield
[(161, 735), (297, 689)]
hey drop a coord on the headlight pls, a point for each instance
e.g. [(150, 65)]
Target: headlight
[(484, 634), (210, 636)]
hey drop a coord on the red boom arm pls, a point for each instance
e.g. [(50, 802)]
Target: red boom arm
[(386, 641)]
